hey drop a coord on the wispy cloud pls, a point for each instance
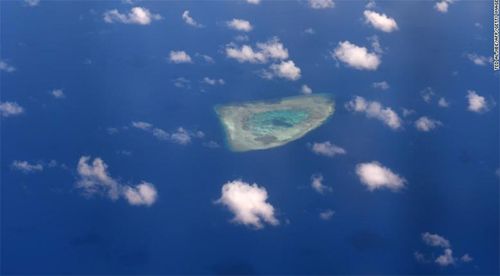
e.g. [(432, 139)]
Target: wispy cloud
[(190, 20), (327, 149), (26, 167), (321, 4)]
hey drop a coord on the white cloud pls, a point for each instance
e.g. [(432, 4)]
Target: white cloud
[(4, 66), (466, 258), (8, 109), (375, 176), (248, 203), (443, 102), (137, 15), (317, 184), (442, 6), (182, 83), (181, 136), (380, 21), (189, 20), (143, 194), (305, 89), (479, 60), (408, 112), (93, 178), (255, 2), (375, 110), (426, 124), (427, 94), (382, 85), (375, 42), (210, 81), (321, 4), (142, 125), (271, 49), (284, 69), (57, 93), (371, 4), (32, 3), (239, 25), (327, 149), (327, 214), (26, 167), (446, 259), (435, 240), (179, 57), (356, 57), (477, 103), (310, 31)]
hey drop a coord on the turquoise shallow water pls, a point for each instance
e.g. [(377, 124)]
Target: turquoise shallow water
[(266, 123)]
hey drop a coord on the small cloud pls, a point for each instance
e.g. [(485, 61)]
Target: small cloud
[(375, 176), (143, 194), (206, 58), (355, 56), (211, 144), (443, 102), (327, 149), (375, 110), (408, 112), (4, 66), (420, 257), (317, 184), (435, 240), (272, 49), (427, 94), (285, 69), (382, 85), (58, 93), (478, 59), (179, 57), (477, 103), (142, 125), (181, 136), (375, 42), (466, 258), (182, 83), (321, 4), (371, 4), (8, 109), (426, 124), (137, 15), (310, 31), (26, 167), (380, 21), (305, 89), (210, 81), (32, 3), (327, 214), (189, 20), (254, 2), (248, 203), (478, 25), (442, 6), (239, 25), (93, 178), (446, 258), (112, 130)]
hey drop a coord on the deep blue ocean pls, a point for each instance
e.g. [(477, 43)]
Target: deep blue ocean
[(114, 74)]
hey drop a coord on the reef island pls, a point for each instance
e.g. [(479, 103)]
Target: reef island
[(267, 124)]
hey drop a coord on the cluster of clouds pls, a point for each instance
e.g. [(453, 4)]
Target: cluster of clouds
[(180, 136), (136, 15), (374, 109), (446, 258), (248, 203), (94, 179), (270, 51)]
